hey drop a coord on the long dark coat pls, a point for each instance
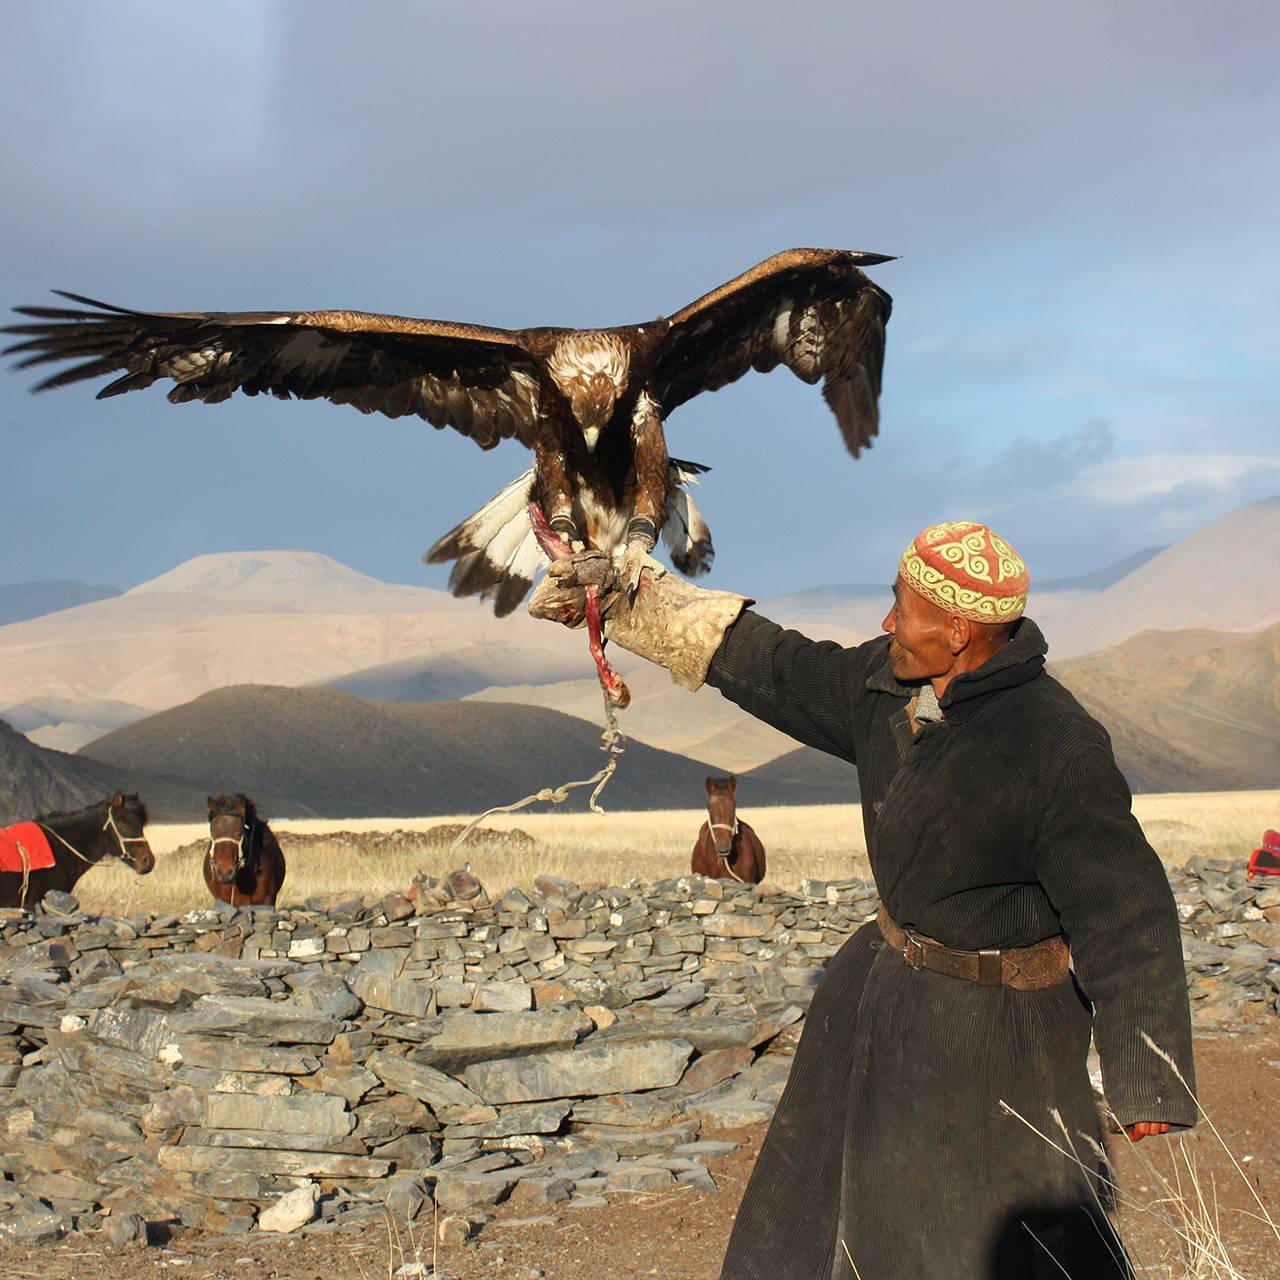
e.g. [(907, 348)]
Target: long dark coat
[(1005, 823)]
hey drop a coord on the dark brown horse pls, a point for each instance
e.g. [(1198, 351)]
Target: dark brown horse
[(244, 866), (727, 848), (80, 840)]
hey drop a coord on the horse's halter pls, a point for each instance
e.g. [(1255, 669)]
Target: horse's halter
[(123, 840), (730, 827), (110, 825), (246, 829)]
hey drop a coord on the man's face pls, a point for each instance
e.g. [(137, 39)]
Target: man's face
[(921, 644)]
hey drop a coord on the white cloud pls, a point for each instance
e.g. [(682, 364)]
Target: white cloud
[(1127, 480)]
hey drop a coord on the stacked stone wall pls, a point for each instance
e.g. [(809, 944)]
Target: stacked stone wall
[(546, 1048)]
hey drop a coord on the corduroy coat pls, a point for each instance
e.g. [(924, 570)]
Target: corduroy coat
[(1006, 823)]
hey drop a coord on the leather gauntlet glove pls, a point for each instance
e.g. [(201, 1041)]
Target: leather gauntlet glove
[(670, 621)]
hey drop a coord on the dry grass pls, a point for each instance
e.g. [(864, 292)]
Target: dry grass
[(1184, 1213), (820, 841)]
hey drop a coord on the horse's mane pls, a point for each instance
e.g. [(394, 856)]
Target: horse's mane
[(233, 804), (132, 805)]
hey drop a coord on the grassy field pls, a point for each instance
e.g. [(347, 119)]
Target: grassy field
[(820, 841)]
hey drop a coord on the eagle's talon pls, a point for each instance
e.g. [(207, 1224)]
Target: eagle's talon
[(636, 560)]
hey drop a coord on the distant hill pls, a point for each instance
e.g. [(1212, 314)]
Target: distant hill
[(703, 725), (33, 780), (1101, 579), (65, 725), (1222, 576), (457, 674), (806, 775), (22, 600), (274, 617), (1187, 710), (322, 753)]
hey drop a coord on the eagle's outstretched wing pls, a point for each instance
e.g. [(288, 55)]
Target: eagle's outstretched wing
[(810, 309), (480, 381)]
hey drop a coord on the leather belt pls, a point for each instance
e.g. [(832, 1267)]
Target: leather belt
[(1023, 968)]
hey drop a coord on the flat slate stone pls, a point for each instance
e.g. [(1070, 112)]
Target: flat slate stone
[(734, 925), (476, 1037), (524, 1117), (141, 1030), (345, 1079), (586, 1071), (222, 1053), (713, 1067), (294, 1164), (641, 1142), (729, 1113), (462, 1189), (303, 1113), (439, 1091), (275, 1021), (705, 1033), (626, 1111), (394, 995), (503, 997), (270, 1140), (640, 1178)]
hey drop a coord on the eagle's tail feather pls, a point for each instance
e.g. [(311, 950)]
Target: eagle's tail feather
[(496, 554), (685, 532)]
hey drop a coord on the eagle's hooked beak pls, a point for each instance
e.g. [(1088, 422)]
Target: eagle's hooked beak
[(593, 403)]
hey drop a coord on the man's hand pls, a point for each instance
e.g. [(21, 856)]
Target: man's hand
[(1146, 1129), (561, 596)]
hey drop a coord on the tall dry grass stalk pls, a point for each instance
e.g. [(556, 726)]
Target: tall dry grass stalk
[(1185, 1207), (824, 842)]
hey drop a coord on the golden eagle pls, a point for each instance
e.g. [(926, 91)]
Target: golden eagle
[(590, 403)]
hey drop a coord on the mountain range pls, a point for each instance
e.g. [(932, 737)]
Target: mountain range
[(299, 619), (323, 753)]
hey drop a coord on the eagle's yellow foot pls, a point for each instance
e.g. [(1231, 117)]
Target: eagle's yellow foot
[(634, 563)]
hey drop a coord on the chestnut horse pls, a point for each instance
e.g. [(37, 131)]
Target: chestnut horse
[(80, 840), (727, 848), (244, 866)]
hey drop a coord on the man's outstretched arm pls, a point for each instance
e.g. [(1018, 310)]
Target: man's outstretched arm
[(803, 687)]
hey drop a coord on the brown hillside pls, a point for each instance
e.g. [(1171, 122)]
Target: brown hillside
[(319, 752), (1187, 710), (34, 781)]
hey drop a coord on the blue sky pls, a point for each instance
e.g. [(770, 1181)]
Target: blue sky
[(1084, 200)]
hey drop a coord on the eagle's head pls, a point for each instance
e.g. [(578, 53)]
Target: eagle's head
[(590, 369)]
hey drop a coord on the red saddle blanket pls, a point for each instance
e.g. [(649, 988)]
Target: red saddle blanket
[(1266, 860), (28, 836)]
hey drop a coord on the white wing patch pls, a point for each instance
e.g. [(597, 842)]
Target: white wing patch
[(191, 366)]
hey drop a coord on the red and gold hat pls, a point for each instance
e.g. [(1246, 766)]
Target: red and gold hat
[(966, 569)]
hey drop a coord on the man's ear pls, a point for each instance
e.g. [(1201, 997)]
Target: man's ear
[(961, 634)]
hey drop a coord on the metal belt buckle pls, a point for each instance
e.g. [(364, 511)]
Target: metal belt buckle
[(912, 951)]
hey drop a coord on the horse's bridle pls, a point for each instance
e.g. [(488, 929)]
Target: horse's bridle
[(732, 829), (110, 825), (123, 839), (246, 829)]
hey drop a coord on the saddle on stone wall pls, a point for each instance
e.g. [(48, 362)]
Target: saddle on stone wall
[(1266, 859)]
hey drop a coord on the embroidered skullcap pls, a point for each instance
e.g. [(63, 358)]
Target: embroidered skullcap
[(966, 569)]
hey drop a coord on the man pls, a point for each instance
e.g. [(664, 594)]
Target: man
[(999, 832)]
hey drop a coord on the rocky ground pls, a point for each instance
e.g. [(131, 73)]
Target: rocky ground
[(680, 1235), (558, 1083)]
